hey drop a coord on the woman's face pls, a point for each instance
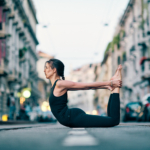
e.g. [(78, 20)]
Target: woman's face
[(48, 71)]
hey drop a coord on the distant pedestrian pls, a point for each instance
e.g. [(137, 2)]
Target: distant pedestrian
[(27, 108), (11, 105)]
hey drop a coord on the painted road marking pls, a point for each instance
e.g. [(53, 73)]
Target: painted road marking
[(78, 132), (84, 140), (78, 128), (79, 138)]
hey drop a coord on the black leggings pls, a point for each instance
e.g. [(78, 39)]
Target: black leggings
[(80, 119)]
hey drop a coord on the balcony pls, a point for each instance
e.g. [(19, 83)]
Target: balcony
[(2, 31), (22, 53), (145, 75), (145, 68), (142, 44), (33, 73), (3, 67), (12, 76)]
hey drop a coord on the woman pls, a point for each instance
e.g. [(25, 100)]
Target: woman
[(75, 117)]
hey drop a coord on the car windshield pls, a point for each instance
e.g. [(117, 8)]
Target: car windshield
[(134, 105)]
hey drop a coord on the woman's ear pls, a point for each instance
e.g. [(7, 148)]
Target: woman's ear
[(55, 70)]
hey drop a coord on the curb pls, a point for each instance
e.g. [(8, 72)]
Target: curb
[(17, 122)]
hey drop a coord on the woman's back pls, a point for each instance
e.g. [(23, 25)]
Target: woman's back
[(59, 106)]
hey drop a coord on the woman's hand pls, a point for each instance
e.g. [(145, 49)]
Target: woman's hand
[(110, 88), (116, 83)]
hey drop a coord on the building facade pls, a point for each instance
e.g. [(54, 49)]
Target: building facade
[(83, 99), (103, 73), (18, 55), (131, 47)]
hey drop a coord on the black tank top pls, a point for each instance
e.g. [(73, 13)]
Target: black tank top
[(59, 106)]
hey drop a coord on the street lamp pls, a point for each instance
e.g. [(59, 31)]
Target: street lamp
[(26, 92)]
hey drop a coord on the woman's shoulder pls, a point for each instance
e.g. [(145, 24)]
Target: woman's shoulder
[(63, 83)]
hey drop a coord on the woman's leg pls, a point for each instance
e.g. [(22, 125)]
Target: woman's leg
[(87, 120), (108, 106), (113, 118), (117, 76), (114, 91)]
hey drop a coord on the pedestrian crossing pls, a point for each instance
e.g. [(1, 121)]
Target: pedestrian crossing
[(79, 137)]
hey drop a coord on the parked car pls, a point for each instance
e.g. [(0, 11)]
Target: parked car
[(132, 110), (41, 116), (35, 113), (144, 114), (47, 116)]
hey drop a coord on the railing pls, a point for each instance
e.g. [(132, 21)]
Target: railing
[(13, 75)]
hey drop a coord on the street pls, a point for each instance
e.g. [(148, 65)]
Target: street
[(54, 136)]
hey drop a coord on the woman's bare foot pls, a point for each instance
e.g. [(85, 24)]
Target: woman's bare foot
[(115, 72), (117, 76)]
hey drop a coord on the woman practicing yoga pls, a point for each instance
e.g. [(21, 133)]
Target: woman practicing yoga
[(75, 117)]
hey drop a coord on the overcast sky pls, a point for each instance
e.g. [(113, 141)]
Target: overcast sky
[(75, 31)]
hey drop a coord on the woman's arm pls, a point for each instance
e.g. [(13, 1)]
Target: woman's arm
[(102, 87), (69, 85)]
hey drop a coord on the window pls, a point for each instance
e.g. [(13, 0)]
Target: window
[(1, 26), (124, 57), (125, 71), (147, 21), (143, 34), (142, 67), (119, 60), (90, 65)]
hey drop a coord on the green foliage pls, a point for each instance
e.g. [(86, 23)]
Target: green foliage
[(116, 40), (22, 52), (122, 33), (144, 6), (24, 48), (107, 48)]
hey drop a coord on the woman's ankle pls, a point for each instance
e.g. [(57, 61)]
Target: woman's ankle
[(116, 90)]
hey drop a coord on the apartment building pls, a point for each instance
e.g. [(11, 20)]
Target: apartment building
[(131, 47), (18, 55), (103, 72)]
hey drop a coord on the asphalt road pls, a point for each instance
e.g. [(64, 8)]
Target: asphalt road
[(126, 136)]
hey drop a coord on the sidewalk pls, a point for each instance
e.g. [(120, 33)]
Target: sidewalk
[(14, 125), (9, 122)]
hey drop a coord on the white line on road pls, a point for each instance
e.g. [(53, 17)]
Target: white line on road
[(84, 140), (77, 132), (78, 128), (79, 138)]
